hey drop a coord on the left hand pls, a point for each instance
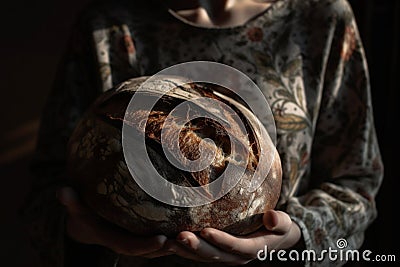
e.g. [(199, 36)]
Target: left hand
[(213, 245)]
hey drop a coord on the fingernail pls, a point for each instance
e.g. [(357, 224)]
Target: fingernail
[(171, 250), (184, 241), (205, 234), (271, 220), (160, 239)]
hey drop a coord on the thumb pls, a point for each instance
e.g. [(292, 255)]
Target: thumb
[(69, 198), (277, 221)]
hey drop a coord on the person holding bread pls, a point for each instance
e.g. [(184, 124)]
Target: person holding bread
[(307, 58)]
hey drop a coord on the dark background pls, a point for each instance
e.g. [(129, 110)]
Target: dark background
[(379, 26), (33, 37)]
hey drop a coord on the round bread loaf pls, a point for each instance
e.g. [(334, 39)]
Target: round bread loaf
[(99, 171)]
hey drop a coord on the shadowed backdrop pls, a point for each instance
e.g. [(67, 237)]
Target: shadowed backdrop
[(33, 38)]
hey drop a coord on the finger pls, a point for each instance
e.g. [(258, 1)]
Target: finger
[(184, 252), (92, 230), (277, 221), (86, 227), (127, 244), (245, 247), (69, 198), (189, 253), (159, 253), (206, 251)]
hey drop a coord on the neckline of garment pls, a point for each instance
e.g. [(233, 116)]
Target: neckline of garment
[(233, 27)]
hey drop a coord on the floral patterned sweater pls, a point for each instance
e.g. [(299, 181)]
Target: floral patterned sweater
[(307, 58)]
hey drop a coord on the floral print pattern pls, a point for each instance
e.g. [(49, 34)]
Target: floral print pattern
[(255, 34), (307, 58)]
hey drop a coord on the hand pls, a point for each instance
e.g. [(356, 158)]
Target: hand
[(280, 232), (85, 227)]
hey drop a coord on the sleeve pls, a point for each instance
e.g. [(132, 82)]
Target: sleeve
[(75, 86), (346, 165)]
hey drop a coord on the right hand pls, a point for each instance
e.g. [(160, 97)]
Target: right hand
[(85, 227)]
